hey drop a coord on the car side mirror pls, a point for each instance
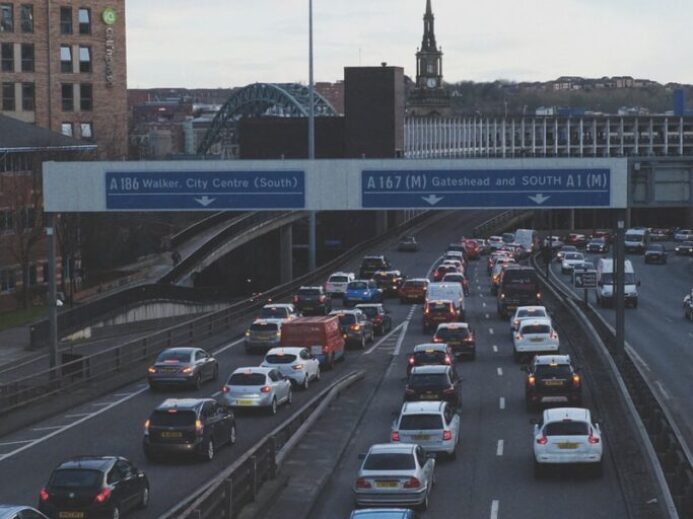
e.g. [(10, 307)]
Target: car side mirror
[(534, 421)]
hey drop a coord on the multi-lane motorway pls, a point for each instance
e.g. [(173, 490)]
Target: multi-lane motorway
[(657, 331)]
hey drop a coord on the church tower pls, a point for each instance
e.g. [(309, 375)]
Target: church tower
[(428, 97)]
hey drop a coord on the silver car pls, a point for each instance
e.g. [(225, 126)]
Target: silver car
[(186, 366), (20, 512), (257, 387), (263, 335), (395, 475), (298, 364), (435, 426)]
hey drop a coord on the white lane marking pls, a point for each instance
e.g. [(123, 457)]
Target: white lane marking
[(120, 394), (433, 266), (78, 415), (638, 358), (383, 339), (47, 428), (669, 319), (99, 404), (488, 316), (664, 391), (690, 334), (228, 346), (214, 395), (15, 443), (400, 340), (495, 348), (70, 426), (500, 372), (495, 505), (483, 304), (499, 448), (490, 330), (501, 402)]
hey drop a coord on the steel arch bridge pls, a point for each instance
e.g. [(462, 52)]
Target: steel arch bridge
[(258, 99)]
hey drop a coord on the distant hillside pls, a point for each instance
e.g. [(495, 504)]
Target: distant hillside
[(504, 97)]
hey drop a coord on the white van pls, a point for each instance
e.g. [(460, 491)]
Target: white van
[(528, 239), (605, 283), (448, 290), (637, 239)]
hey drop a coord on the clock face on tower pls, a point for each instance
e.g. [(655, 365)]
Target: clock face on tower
[(431, 82)]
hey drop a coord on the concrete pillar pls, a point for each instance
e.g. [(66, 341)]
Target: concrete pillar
[(380, 222), (286, 253), (572, 219)]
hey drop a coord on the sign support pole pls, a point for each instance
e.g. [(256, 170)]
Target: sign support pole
[(312, 220), (619, 282), (52, 292)]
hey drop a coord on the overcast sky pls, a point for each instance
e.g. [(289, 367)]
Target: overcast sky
[(226, 43)]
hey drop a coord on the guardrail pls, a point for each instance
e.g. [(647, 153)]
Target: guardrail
[(123, 360), (669, 446), (238, 485)]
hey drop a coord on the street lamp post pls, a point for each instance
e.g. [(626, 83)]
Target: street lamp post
[(312, 223)]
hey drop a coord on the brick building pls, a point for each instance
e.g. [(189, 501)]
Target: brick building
[(63, 67)]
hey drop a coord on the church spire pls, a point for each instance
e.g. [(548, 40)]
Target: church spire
[(429, 37)]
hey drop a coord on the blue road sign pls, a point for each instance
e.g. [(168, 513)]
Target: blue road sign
[(486, 188), (205, 190)]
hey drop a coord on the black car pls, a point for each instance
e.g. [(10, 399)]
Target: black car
[(356, 328), (189, 426), (684, 248), (312, 300), (429, 354), (459, 337), (408, 244), (389, 281), (552, 379), (371, 264), (94, 486), (598, 245), (376, 313), (182, 366), (433, 383), (655, 253)]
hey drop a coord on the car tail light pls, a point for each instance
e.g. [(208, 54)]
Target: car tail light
[(449, 390), (409, 391), (297, 366), (542, 440), (247, 333), (592, 439), (146, 427), (502, 296), (187, 370), (225, 389), (412, 360), (151, 370), (448, 360), (554, 335), (427, 310), (322, 299), (518, 336), (469, 338), (44, 495), (198, 427), (437, 339), (412, 483), (531, 380), (265, 389), (576, 380), (447, 435), (103, 496), (394, 436), (538, 295), (295, 299), (355, 327), (279, 333), (362, 483)]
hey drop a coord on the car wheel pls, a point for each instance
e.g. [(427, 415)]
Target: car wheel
[(538, 470), (144, 502), (453, 455), (198, 381), (153, 387), (232, 434), (330, 362), (363, 342), (598, 469), (290, 397), (306, 382), (115, 513), (215, 373), (516, 356), (424, 504), (273, 407), (317, 375), (209, 452)]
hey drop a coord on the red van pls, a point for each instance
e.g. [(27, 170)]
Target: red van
[(321, 334)]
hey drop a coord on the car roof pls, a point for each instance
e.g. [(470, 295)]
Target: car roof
[(536, 320), (531, 307), (422, 407), (429, 370), (453, 326), (88, 462), (368, 305), (360, 281), (418, 279), (313, 287), (181, 349), (182, 403), (558, 414), (291, 350), (384, 512), (392, 447), (441, 346), (252, 369), (545, 360), (344, 311), (269, 320), (439, 301), (340, 273), (380, 256), (279, 305)]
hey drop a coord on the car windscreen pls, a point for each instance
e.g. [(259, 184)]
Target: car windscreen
[(608, 278), (347, 319), (599, 241), (429, 379), (264, 327), (429, 357), (339, 279), (535, 328), (568, 248), (420, 421), (438, 307), (530, 313), (280, 359), (370, 311), (168, 419), (635, 237), (246, 379), (76, 478), (174, 356), (566, 429), (655, 248), (372, 263), (573, 256), (389, 461), (452, 333), (458, 278), (548, 371), (357, 285), (414, 284), (309, 292), (269, 313), (508, 237)]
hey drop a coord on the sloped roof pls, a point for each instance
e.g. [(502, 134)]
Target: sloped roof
[(17, 136)]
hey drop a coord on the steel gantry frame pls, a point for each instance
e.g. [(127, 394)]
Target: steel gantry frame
[(259, 99)]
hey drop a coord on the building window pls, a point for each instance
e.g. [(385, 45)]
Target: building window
[(66, 20), (85, 59), (28, 97), (65, 58), (32, 275), (7, 53), (27, 18), (84, 20), (6, 17), (66, 129), (68, 97), (86, 131), (86, 97), (6, 220), (27, 57), (7, 280), (8, 101)]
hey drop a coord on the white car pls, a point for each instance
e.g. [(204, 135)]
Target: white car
[(278, 311), (297, 364), (455, 263), (535, 336), (337, 283), (433, 425), (257, 387), (526, 312), (570, 259), (495, 242), (683, 235), (567, 435)]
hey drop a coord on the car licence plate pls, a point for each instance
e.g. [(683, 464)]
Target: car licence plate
[(171, 434), (244, 402), (536, 339), (553, 382), (429, 396), (421, 437), (70, 515), (386, 484), (568, 445)]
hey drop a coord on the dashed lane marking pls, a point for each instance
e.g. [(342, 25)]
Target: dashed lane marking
[(499, 448), (662, 390), (483, 304), (490, 330), (383, 339), (18, 442), (228, 346), (500, 372), (501, 402), (47, 428), (400, 340), (495, 506), (214, 395), (495, 348), (488, 316), (78, 415), (100, 404)]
